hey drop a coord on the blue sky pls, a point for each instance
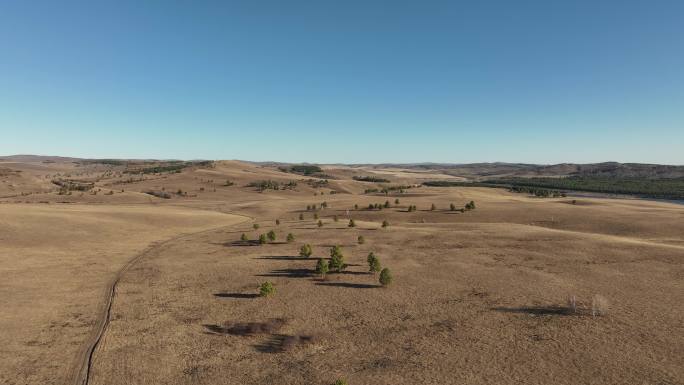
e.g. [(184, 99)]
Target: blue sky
[(344, 81)]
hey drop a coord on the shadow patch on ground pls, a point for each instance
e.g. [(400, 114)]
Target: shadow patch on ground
[(236, 295), (289, 273), (278, 343), (246, 329), (348, 284), (536, 310)]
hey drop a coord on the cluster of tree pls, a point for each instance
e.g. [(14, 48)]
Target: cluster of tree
[(470, 205), (374, 179), (411, 208), (159, 194), (73, 185), (262, 185), (379, 206), (659, 188), (305, 169), (537, 191), (317, 183), (170, 167)]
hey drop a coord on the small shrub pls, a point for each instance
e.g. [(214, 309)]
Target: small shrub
[(277, 222), (361, 240), (305, 251), (335, 218), (315, 216), (266, 289), (385, 224), (255, 226), (340, 381), (356, 207), (262, 239), (320, 223), (470, 205), (351, 223), (396, 201), (290, 238), (243, 237), (433, 207), (387, 204), (271, 236), (385, 277), (322, 267), (452, 207), (301, 217)]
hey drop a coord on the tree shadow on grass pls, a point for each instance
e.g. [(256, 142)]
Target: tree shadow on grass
[(349, 285), (278, 343), (236, 295), (286, 258), (290, 273), (246, 329), (536, 310)]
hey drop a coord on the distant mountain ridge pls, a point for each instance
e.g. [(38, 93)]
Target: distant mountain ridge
[(473, 170)]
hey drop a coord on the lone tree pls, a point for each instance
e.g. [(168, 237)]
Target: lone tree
[(301, 216), (255, 226), (262, 239), (385, 224), (320, 223), (385, 277), (351, 223), (452, 207), (315, 215), (335, 218), (336, 259), (290, 238), (356, 207), (243, 237), (271, 236), (373, 263), (266, 289), (277, 222), (387, 204), (396, 201), (305, 251), (361, 240), (322, 267), (433, 207)]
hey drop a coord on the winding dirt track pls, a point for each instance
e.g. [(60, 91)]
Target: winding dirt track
[(80, 371)]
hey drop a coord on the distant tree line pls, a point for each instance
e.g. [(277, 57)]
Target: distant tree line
[(370, 179)]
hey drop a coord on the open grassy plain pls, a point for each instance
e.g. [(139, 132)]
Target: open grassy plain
[(478, 297)]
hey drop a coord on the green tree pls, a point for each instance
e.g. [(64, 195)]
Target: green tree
[(373, 263), (266, 289), (322, 267), (336, 258), (361, 240), (305, 251), (271, 236), (262, 239), (290, 238), (340, 381), (243, 237), (452, 207), (255, 226), (351, 223), (385, 277), (387, 204)]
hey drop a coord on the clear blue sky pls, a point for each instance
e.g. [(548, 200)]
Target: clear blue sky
[(544, 81)]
